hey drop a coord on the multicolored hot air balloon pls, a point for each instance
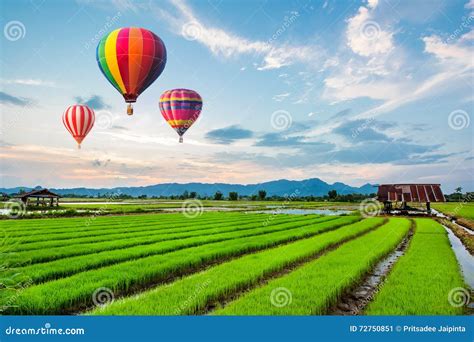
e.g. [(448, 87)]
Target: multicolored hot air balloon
[(180, 108), (131, 59), (78, 120)]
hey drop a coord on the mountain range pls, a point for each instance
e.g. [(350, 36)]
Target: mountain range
[(282, 187)]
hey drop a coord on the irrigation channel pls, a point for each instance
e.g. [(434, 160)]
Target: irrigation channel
[(356, 299), (465, 259)]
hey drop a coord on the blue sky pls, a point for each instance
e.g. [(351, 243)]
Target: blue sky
[(351, 91)]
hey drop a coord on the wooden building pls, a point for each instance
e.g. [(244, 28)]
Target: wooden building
[(409, 193), (39, 197)]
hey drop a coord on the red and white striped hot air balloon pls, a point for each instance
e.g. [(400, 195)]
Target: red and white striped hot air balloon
[(78, 120)]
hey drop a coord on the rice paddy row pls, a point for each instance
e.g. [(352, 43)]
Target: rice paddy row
[(423, 282), (75, 292), (223, 263)]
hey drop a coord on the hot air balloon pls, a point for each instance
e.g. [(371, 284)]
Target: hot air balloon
[(180, 108), (131, 59), (78, 120)]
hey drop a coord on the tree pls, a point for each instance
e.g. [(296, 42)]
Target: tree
[(218, 196), (459, 192), (262, 194), (332, 194), (233, 196), (192, 194)]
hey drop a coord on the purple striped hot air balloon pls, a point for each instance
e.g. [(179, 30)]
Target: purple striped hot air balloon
[(180, 108)]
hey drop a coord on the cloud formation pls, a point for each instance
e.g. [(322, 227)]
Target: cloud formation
[(228, 135), (95, 102), (9, 99), (274, 52)]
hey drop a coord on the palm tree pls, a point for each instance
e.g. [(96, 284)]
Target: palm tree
[(459, 191)]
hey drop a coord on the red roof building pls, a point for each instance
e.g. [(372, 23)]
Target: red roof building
[(405, 193)]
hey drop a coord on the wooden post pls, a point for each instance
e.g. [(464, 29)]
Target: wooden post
[(37, 201), (51, 204)]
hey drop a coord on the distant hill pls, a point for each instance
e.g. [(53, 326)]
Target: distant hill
[(282, 187)]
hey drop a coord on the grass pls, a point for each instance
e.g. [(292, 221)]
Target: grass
[(179, 227), (66, 266), (72, 249), (194, 293), (462, 211), (314, 287), (75, 292), (422, 279)]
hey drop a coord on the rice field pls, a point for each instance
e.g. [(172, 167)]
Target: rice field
[(220, 263), (462, 211)]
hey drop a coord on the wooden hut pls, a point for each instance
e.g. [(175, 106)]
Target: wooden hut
[(39, 197), (409, 193)]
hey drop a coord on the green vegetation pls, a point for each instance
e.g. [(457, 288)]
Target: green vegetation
[(314, 287), (463, 211), (223, 262), (109, 253), (192, 294), (75, 292), (422, 280)]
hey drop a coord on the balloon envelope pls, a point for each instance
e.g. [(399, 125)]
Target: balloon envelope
[(131, 59), (180, 108), (78, 120)]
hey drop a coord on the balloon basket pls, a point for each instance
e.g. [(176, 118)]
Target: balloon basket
[(129, 109), (180, 139), (78, 146)]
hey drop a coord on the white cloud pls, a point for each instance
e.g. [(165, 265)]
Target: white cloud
[(281, 97), (365, 36), (227, 44), (372, 3), (450, 53), (29, 82)]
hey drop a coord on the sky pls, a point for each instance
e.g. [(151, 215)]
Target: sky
[(346, 91)]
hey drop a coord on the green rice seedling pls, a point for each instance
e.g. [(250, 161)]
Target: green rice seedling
[(181, 226), (37, 256), (63, 267), (121, 226), (426, 280), (194, 293), (314, 287), (76, 292)]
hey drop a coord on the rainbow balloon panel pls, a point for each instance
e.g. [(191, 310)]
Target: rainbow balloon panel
[(180, 108), (131, 59)]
